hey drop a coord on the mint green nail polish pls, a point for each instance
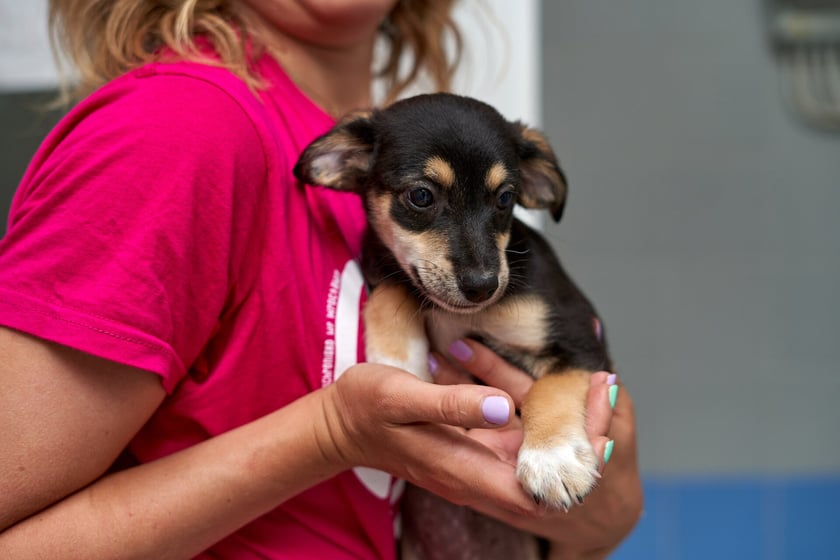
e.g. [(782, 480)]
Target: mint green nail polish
[(608, 451), (613, 392)]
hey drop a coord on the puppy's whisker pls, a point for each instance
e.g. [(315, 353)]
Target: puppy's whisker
[(514, 252), (394, 274)]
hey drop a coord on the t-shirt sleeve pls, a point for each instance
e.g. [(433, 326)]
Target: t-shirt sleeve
[(123, 234)]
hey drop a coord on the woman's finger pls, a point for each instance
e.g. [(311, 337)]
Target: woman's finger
[(599, 409), (445, 373), (404, 399), (486, 365)]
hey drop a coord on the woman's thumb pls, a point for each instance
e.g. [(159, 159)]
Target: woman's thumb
[(467, 406)]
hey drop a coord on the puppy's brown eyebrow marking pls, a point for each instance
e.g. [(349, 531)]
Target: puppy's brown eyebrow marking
[(438, 170), (496, 176)]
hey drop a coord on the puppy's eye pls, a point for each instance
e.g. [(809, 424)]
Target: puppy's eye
[(420, 197), (506, 199)]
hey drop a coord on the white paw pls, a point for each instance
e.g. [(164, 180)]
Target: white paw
[(559, 476)]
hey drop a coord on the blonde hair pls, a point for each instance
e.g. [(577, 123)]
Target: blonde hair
[(106, 38)]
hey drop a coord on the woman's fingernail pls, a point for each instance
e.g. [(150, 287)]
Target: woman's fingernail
[(611, 379), (599, 330), (433, 365), (496, 410), (460, 350), (608, 450), (613, 393)]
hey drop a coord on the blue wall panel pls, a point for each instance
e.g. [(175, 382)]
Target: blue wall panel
[(736, 518)]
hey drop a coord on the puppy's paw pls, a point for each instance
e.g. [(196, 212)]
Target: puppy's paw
[(559, 476), (414, 357)]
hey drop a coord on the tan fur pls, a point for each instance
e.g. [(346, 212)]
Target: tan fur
[(496, 176), (541, 168), (380, 219), (521, 322), (502, 242), (438, 170), (537, 138), (546, 186), (427, 253), (326, 170), (391, 317), (432, 246), (554, 408), (355, 115)]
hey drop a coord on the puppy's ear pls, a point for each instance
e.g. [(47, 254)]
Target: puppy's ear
[(543, 182), (341, 158)]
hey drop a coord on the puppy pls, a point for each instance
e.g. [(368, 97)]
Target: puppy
[(446, 258)]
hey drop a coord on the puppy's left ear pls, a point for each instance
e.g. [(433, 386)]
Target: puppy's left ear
[(543, 182), (341, 158)]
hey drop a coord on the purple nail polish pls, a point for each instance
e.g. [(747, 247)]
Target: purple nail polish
[(460, 350), (611, 378), (599, 330), (433, 365), (496, 410)]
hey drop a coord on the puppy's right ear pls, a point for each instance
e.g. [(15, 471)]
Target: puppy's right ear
[(341, 158), (543, 182)]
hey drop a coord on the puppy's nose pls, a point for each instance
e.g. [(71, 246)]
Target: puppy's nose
[(478, 287)]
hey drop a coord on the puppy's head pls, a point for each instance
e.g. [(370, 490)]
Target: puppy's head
[(440, 175)]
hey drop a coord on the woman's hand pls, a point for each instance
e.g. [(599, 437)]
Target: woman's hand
[(381, 417), (612, 509)]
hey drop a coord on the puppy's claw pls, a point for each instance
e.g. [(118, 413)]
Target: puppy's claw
[(539, 500)]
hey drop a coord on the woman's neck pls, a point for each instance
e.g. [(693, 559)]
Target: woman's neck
[(336, 79)]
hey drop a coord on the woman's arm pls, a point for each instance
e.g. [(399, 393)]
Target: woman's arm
[(65, 417)]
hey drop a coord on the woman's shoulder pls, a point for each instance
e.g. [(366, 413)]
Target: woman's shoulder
[(181, 98), (184, 104), (162, 117)]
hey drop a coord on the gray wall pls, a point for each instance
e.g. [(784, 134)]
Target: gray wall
[(25, 118), (702, 220)]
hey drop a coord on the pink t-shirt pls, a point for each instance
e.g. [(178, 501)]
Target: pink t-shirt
[(160, 226)]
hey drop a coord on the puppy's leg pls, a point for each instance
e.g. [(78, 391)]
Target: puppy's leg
[(556, 462), (394, 330)]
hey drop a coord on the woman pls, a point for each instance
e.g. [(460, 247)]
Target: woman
[(178, 314)]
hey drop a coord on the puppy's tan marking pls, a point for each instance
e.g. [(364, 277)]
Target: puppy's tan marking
[(380, 219), (432, 247), (394, 332), (521, 322), (438, 170), (496, 176), (554, 409), (427, 254), (502, 241)]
